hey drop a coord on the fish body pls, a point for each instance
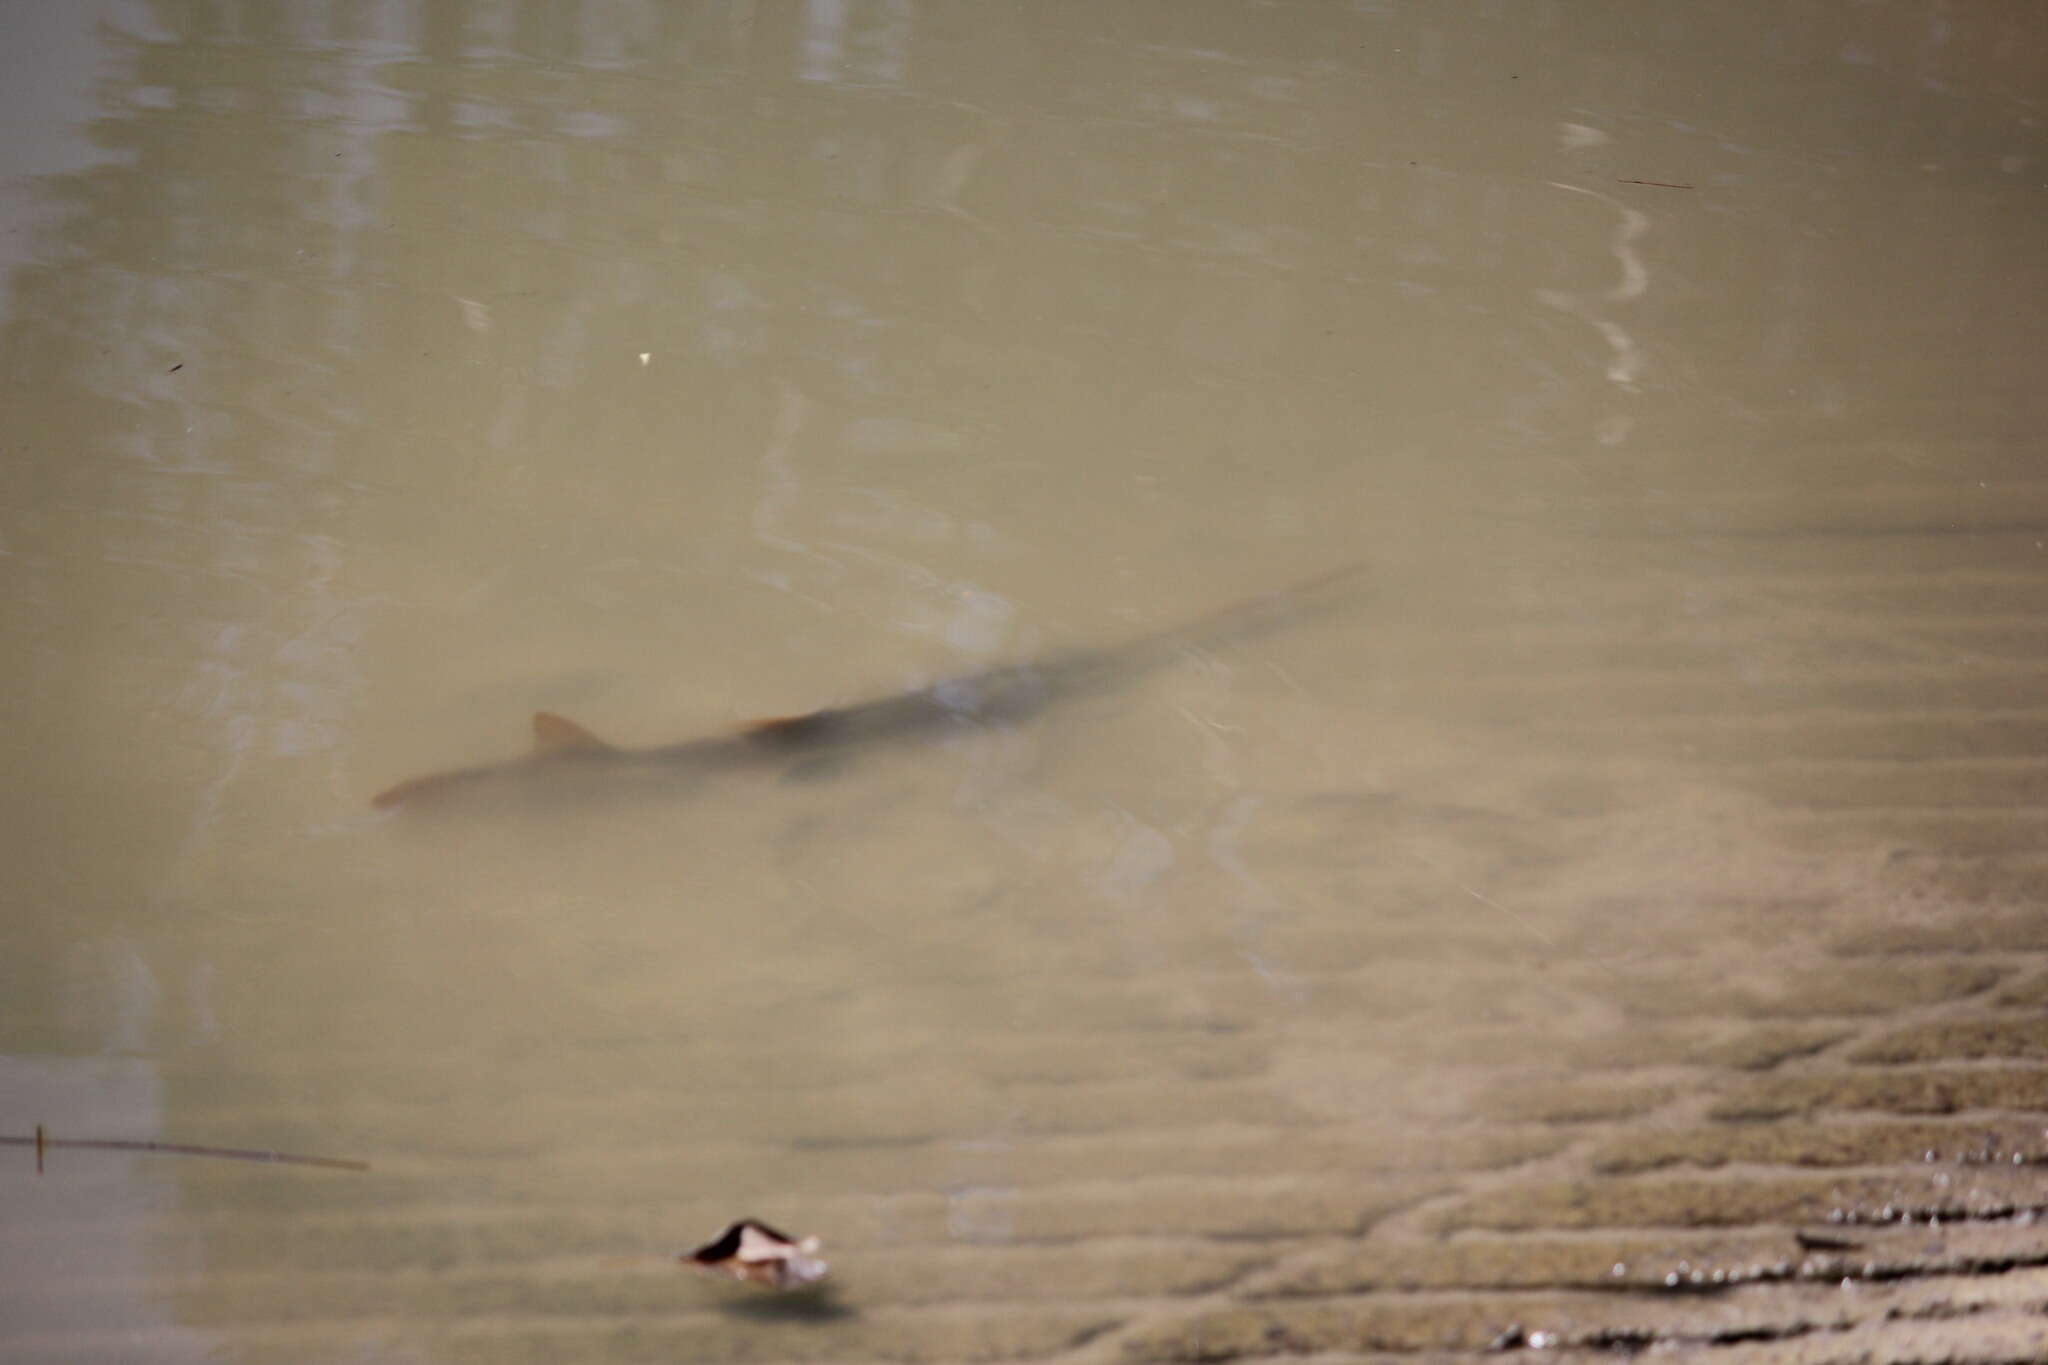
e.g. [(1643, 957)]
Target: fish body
[(562, 748)]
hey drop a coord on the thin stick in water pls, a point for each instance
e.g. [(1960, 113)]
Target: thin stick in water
[(42, 1141)]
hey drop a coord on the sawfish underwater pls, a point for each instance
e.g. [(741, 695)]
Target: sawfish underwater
[(562, 748)]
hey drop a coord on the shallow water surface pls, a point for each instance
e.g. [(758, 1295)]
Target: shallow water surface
[(383, 374)]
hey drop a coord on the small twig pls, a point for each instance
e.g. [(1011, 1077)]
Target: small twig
[(42, 1141), (1476, 894)]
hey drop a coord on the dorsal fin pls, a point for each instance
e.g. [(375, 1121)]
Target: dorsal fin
[(553, 734)]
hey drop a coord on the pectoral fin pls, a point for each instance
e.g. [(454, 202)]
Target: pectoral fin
[(816, 768), (554, 735)]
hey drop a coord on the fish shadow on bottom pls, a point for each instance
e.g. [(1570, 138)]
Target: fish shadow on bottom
[(818, 1303)]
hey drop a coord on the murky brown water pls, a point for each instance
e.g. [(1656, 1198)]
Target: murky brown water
[(379, 375)]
